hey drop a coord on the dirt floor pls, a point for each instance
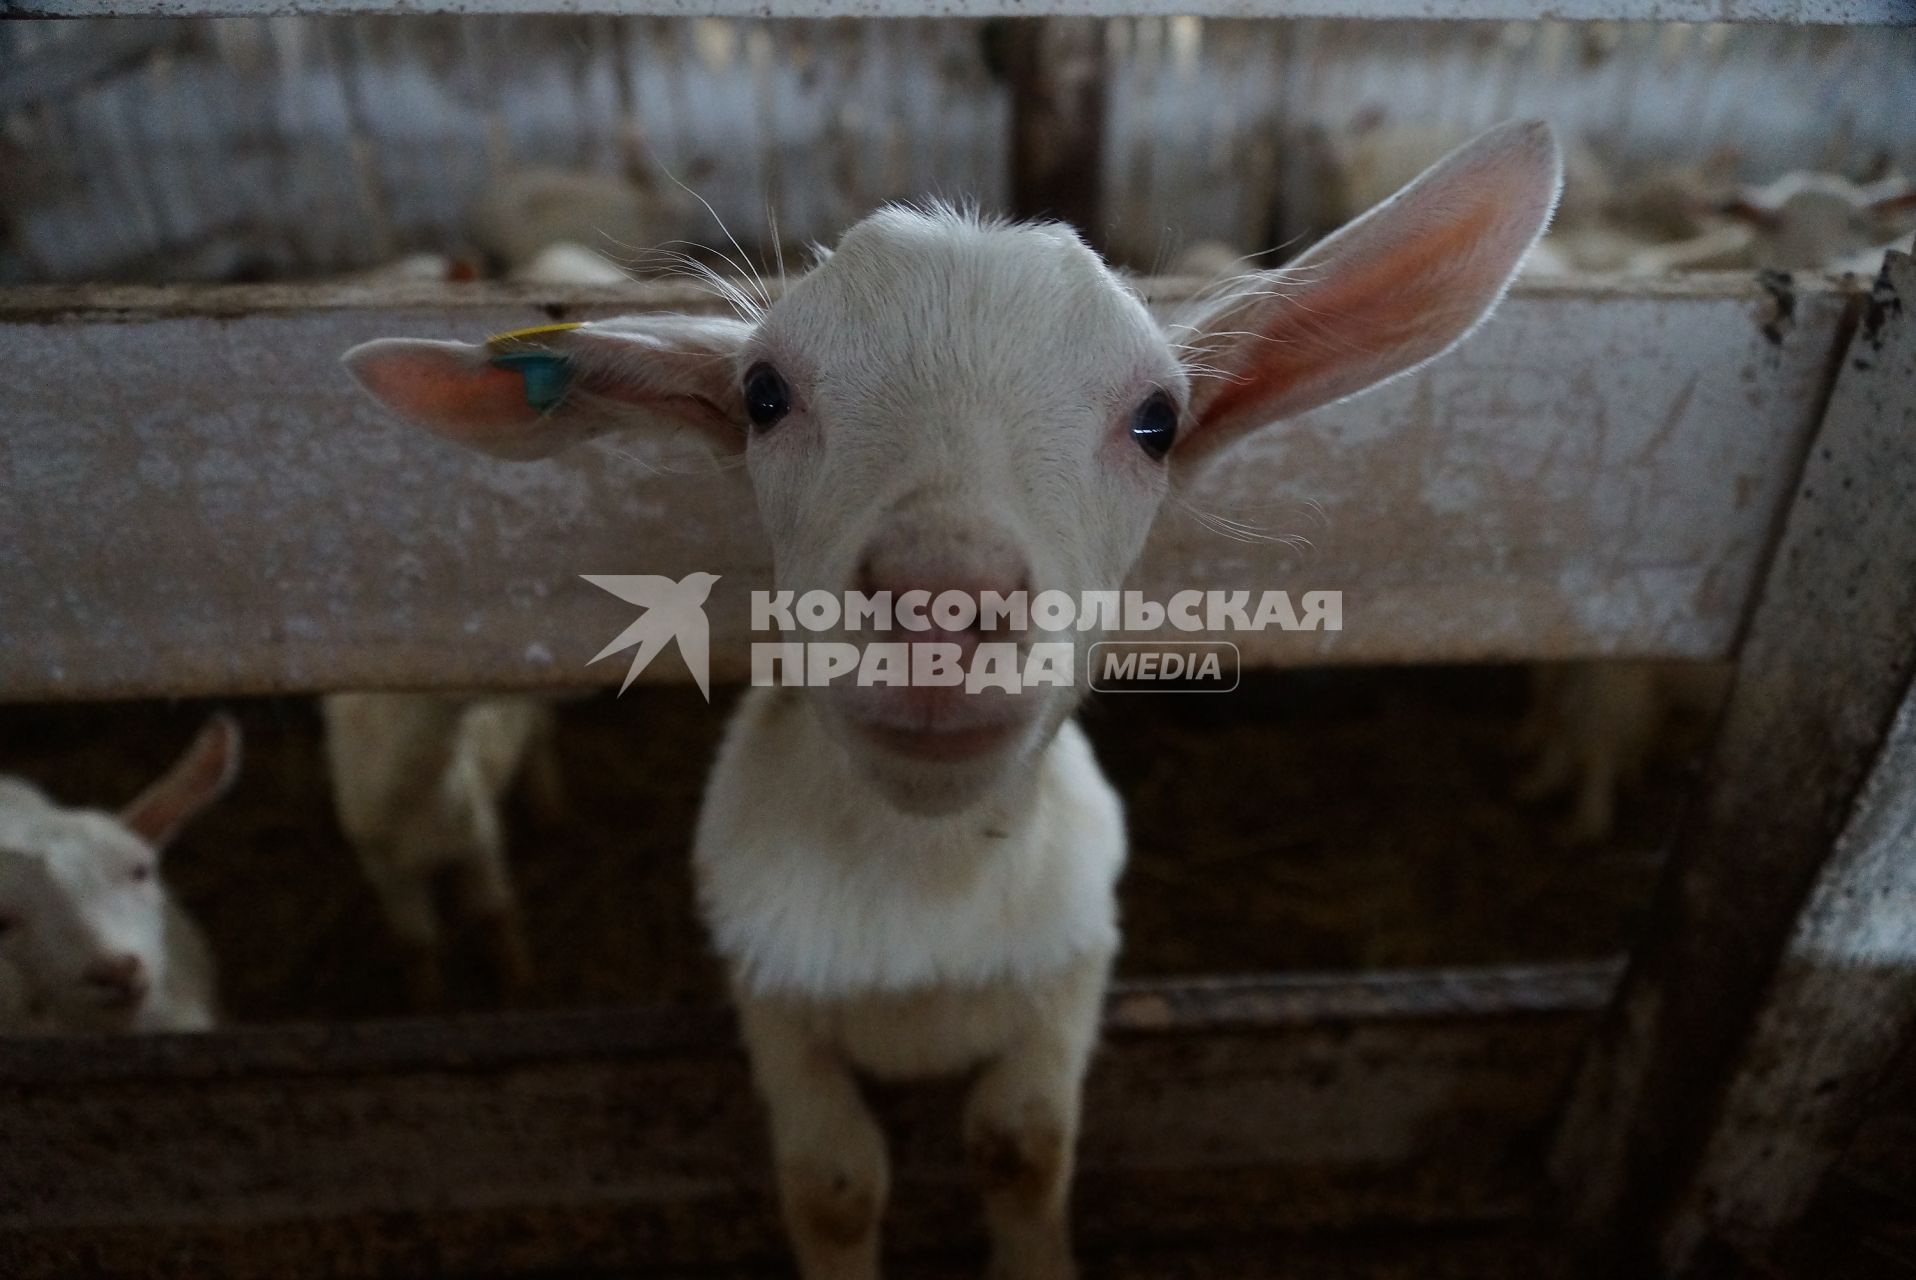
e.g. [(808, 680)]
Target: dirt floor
[(1311, 820)]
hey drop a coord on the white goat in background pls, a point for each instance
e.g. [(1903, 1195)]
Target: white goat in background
[(90, 939), (419, 783)]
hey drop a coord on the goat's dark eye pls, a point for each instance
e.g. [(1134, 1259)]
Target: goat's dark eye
[(767, 398), (141, 873), (1154, 425)]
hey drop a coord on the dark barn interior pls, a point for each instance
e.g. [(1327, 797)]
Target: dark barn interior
[(1553, 917)]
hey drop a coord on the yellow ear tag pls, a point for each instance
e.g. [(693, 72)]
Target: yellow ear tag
[(546, 374), (536, 331)]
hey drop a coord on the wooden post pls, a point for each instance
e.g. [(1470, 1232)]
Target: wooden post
[(1057, 71), (1839, 1011), (1753, 1015)]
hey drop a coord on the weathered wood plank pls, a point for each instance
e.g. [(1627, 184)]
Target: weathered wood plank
[(1059, 87), (1842, 1006), (1832, 12), (527, 1142), (194, 499), (1840, 1010), (1827, 664), (1858, 1224)]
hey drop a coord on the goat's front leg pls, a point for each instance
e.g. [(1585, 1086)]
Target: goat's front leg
[(485, 888), (406, 899), (833, 1175), (1021, 1128)]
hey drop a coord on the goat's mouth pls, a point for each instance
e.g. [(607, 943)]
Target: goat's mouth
[(116, 1002), (941, 744), (113, 999), (940, 724)]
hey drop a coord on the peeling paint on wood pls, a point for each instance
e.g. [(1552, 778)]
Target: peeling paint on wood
[(193, 498), (1760, 899), (1843, 1002), (1842, 1006)]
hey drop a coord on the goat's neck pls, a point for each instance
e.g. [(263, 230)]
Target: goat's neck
[(992, 825)]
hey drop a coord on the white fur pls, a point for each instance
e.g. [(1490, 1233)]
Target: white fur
[(1800, 222), (418, 783), (526, 212), (843, 895), (1820, 221), (885, 868), (69, 893), (564, 262)]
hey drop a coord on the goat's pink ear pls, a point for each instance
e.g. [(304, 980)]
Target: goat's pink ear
[(449, 388), (1398, 287), (201, 776), (531, 394), (1896, 206)]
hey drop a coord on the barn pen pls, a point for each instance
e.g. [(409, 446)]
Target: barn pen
[(1692, 1058)]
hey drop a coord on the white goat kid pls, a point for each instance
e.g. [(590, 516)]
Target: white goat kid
[(918, 881), (419, 783), (90, 939)]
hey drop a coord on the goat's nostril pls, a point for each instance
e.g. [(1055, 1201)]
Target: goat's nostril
[(950, 603), (923, 563), (936, 579)]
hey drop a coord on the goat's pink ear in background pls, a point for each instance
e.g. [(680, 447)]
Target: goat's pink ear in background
[(1397, 287), (201, 776), (1896, 206), (532, 396)]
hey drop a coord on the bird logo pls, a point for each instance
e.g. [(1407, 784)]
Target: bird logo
[(673, 611)]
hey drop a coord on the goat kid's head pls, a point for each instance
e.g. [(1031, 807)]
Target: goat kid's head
[(951, 404), (82, 907)]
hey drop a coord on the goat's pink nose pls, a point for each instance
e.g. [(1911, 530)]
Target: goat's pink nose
[(957, 621), (919, 555), (121, 977)]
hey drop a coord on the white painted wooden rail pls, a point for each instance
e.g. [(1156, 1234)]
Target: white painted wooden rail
[(1833, 12), (193, 499)]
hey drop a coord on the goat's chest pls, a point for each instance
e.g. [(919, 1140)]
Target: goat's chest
[(818, 900)]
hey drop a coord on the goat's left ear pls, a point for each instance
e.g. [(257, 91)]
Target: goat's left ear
[(1398, 287), (534, 392), (201, 776)]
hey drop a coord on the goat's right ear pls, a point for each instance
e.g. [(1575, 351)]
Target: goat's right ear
[(201, 776), (534, 392), (1396, 288)]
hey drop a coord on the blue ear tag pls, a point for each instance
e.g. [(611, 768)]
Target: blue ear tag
[(546, 375)]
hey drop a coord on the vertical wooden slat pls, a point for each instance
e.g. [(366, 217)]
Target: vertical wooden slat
[(1844, 999), (1825, 666), (1840, 1010), (1058, 75)]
